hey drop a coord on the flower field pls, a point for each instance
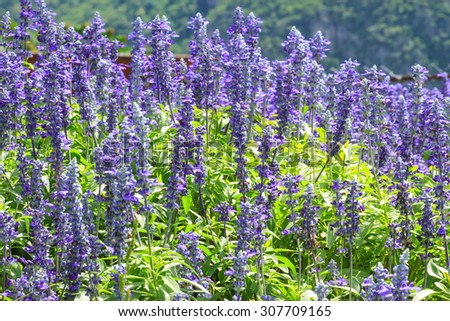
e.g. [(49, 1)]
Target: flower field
[(225, 177)]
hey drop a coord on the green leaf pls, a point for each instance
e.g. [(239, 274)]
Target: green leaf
[(170, 284), (28, 65), (422, 295), (331, 237), (365, 228), (288, 264), (346, 289), (187, 202), (442, 287), (168, 266), (435, 270)]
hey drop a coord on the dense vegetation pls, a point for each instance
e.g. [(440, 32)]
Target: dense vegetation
[(393, 33), (234, 178)]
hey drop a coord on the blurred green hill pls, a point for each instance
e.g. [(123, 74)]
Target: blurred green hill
[(393, 33)]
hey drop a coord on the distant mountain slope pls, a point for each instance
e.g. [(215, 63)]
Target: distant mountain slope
[(394, 33)]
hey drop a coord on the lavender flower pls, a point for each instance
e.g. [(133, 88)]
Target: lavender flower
[(347, 212), (96, 248), (204, 68), (267, 169), (139, 60), (184, 143), (285, 99), (33, 285), (8, 232), (78, 247), (11, 95), (38, 274), (251, 33), (162, 61), (238, 26), (8, 228), (180, 297), (118, 278), (319, 46), (238, 123), (426, 222), (251, 223), (322, 290), (346, 89), (56, 83), (119, 213), (188, 248), (224, 210), (239, 272), (401, 286), (375, 287), (405, 226), (305, 223)]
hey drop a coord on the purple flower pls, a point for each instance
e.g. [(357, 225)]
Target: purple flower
[(188, 248), (285, 98), (118, 277), (183, 145), (8, 228), (238, 26), (204, 69), (162, 61), (426, 222), (319, 46), (322, 290), (345, 89), (198, 169), (401, 286), (8, 232), (251, 32), (251, 222), (238, 124), (78, 249), (347, 211), (139, 60), (375, 287), (224, 210), (402, 229), (119, 213), (180, 297), (33, 285), (12, 94), (304, 223), (267, 168)]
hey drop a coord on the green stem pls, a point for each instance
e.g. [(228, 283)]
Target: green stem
[(425, 269), (316, 266), (4, 273), (149, 244), (299, 253), (202, 203), (207, 130), (93, 287), (250, 125), (97, 226), (313, 157), (262, 271), (443, 216), (169, 226), (351, 269), (375, 172)]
